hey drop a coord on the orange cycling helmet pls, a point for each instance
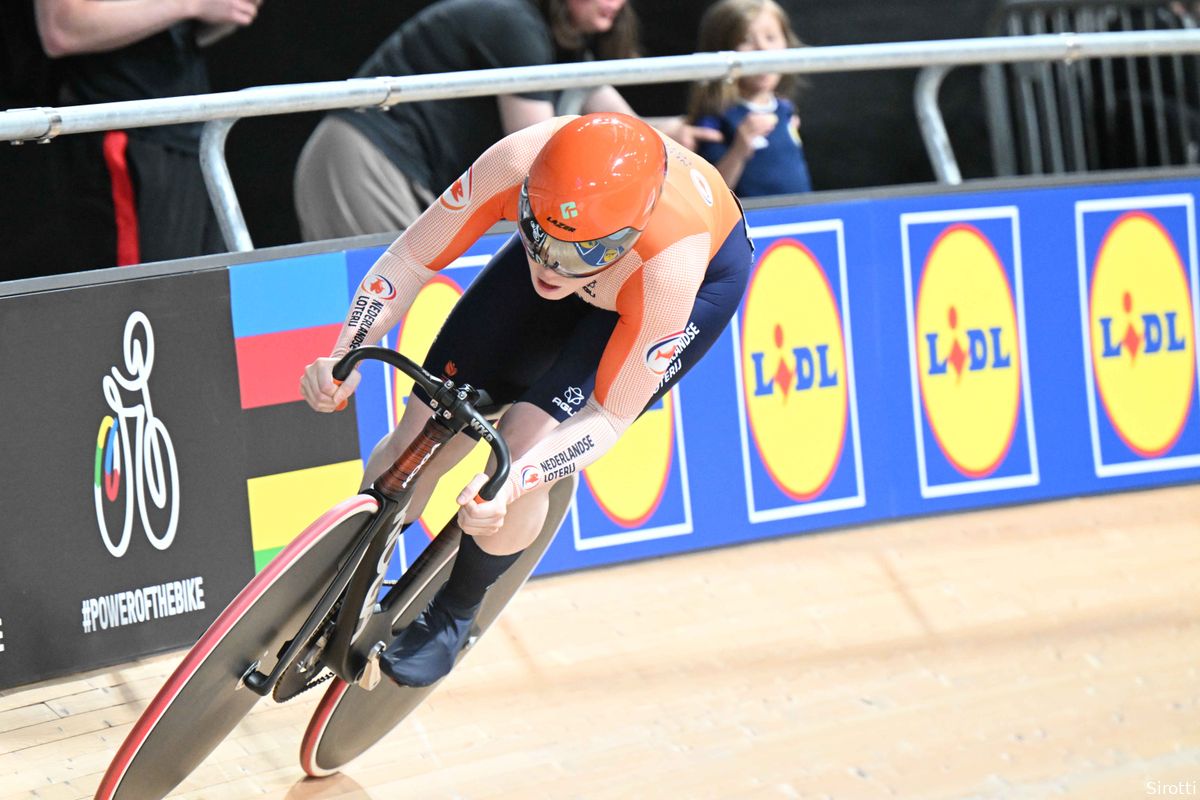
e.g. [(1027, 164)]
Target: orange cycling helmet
[(590, 193)]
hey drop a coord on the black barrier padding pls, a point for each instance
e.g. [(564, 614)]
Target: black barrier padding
[(289, 436), (67, 603)]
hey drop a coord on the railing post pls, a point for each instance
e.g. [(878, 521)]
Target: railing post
[(933, 128), (220, 185)]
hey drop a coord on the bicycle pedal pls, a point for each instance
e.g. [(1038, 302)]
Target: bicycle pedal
[(371, 674)]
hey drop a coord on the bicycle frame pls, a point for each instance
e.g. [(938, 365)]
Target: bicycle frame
[(455, 408), (322, 591)]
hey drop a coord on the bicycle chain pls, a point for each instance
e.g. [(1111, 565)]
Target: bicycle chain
[(316, 637), (325, 676), (327, 673)]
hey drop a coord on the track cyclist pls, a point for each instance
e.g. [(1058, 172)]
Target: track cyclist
[(631, 256)]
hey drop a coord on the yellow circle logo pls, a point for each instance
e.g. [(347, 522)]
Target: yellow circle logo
[(968, 352), (421, 325), (1140, 319), (629, 480), (794, 370)]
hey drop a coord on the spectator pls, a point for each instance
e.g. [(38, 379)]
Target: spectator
[(374, 171), (135, 195), (761, 152)]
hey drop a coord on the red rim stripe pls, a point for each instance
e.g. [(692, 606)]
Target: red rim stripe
[(216, 632), (316, 729)]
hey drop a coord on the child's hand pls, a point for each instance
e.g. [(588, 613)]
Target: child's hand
[(752, 133)]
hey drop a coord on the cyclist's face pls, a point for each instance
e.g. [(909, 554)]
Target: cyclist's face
[(549, 284)]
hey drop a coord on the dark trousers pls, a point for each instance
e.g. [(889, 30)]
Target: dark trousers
[(128, 200)]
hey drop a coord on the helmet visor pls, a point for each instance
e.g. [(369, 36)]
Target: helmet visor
[(570, 259)]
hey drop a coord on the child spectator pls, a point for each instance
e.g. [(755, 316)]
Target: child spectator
[(761, 153)]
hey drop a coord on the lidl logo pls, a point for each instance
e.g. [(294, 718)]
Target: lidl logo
[(637, 491), (799, 418), (1138, 309), (967, 352)]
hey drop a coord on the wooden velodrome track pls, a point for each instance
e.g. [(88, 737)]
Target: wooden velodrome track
[(1051, 650)]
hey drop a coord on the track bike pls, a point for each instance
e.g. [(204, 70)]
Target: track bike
[(315, 615)]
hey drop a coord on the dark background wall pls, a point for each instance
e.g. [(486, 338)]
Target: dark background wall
[(859, 128)]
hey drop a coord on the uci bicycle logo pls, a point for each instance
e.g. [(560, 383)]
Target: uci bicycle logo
[(1142, 334), (793, 363), (135, 467), (967, 350)]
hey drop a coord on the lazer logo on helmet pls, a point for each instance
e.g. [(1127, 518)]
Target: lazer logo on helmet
[(620, 163)]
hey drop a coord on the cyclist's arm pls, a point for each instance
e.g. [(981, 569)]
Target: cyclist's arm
[(483, 195), (654, 304)]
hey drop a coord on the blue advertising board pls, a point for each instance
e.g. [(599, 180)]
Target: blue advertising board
[(891, 357)]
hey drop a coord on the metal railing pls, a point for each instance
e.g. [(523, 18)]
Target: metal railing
[(1102, 114), (222, 109)]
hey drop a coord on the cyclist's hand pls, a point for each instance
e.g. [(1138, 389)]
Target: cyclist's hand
[(485, 517), (319, 388)]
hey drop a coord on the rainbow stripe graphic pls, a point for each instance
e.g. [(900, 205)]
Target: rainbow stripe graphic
[(285, 314)]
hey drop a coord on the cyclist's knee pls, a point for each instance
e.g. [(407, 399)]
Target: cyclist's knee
[(524, 425)]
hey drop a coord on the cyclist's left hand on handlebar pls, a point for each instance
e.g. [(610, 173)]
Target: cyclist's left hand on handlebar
[(482, 517), (319, 388)]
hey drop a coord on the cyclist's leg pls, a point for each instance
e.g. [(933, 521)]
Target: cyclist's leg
[(524, 425), (530, 339), (426, 650)]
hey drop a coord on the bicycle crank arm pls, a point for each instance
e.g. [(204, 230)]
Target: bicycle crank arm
[(262, 684)]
